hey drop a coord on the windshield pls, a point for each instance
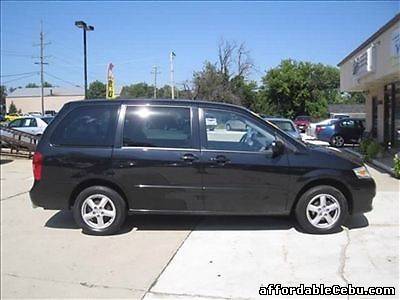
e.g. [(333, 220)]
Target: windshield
[(284, 125)]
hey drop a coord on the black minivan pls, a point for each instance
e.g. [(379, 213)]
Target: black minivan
[(104, 159)]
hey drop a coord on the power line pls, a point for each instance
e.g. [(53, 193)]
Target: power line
[(13, 75), (66, 81), (16, 79)]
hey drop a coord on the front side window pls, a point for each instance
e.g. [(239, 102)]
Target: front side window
[(16, 123), (87, 126), (162, 127), (235, 132)]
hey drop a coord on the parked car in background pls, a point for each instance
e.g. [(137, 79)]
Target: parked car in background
[(10, 117), (211, 122), (34, 114), (311, 128), (50, 112), (32, 125), (302, 122), (338, 116), (340, 132), (47, 119), (105, 159), (235, 125), (286, 125)]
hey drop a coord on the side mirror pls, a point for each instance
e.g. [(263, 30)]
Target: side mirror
[(278, 148)]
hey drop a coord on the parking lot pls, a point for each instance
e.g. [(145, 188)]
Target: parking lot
[(44, 254)]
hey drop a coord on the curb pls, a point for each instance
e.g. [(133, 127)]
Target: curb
[(373, 162)]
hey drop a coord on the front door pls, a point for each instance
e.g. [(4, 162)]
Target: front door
[(239, 176), (158, 157)]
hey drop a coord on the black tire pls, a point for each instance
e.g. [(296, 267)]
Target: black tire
[(228, 127), (337, 141), (302, 214), (117, 201)]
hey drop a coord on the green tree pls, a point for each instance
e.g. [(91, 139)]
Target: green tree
[(97, 90), (12, 109), (138, 90), (3, 91), (31, 85), (47, 84), (295, 88)]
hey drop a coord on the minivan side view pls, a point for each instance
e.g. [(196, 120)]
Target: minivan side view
[(107, 159)]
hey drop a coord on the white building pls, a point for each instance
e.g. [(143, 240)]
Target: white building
[(374, 69)]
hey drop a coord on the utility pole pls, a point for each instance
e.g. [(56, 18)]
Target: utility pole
[(155, 72), (171, 59), (42, 63)]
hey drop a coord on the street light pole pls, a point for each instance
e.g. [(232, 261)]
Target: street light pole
[(85, 61), (84, 27)]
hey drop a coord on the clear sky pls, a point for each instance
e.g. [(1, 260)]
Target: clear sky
[(134, 36)]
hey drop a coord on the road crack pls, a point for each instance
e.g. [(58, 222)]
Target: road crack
[(84, 284), (343, 258)]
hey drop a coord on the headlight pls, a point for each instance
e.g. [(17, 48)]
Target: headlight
[(362, 172)]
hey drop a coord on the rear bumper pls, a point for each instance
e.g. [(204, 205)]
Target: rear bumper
[(363, 193), (50, 197)]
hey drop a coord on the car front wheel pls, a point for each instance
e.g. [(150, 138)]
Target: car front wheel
[(321, 209), (337, 141), (99, 210)]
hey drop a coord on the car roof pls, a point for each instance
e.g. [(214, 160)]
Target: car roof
[(180, 102), (278, 119), (166, 102)]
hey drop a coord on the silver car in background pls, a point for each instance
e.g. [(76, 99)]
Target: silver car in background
[(286, 125)]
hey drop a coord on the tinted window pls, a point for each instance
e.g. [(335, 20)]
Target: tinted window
[(236, 132), (347, 124), (167, 127), (87, 126), (16, 123)]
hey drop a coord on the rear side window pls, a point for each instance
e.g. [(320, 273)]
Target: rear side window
[(29, 123), (87, 126), (164, 127)]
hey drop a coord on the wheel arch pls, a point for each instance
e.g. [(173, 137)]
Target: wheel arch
[(325, 181), (92, 182)]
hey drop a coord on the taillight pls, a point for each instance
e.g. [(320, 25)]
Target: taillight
[(37, 163), (319, 129)]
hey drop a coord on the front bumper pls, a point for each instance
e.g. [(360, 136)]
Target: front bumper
[(363, 193)]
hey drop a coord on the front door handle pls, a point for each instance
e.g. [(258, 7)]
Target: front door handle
[(220, 159), (189, 157)]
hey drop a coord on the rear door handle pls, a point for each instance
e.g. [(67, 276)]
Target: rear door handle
[(220, 159), (189, 157)]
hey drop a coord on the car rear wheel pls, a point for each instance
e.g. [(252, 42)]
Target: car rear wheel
[(321, 209), (337, 141), (228, 127), (99, 210)]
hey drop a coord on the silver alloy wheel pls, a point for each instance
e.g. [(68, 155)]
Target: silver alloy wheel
[(338, 141), (98, 211), (323, 211)]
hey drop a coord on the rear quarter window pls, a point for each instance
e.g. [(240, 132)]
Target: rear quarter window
[(87, 126)]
